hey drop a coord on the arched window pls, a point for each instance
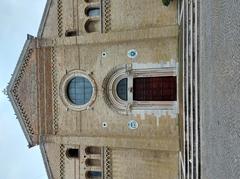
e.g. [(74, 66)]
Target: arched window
[(122, 89), (72, 153), (92, 11), (93, 162), (92, 26), (92, 150), (79, 90), (141, 87), (93, 174)]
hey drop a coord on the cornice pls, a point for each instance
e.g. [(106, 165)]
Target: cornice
[(45, 158), (44, 18)]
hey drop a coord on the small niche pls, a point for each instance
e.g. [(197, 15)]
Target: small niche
[(72, 153), (70, 33), (94, 174), (93, 150), (92, 11), (92, 26), (93, 162)]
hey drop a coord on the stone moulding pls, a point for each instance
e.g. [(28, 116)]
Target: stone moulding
[(45, 158), (44, 18), (131, 71), (64, 83)]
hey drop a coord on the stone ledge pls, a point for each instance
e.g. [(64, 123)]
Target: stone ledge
[(113, 37), (164, 144)]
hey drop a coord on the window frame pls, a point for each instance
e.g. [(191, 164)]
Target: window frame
[(135, 70), (93, 20), (158, 72), (64, 85), (71, 86)]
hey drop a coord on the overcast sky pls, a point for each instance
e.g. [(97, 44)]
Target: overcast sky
[(17, 18)]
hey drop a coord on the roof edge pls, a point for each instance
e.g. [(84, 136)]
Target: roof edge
[(44, 18), (45, 158), (10, 95)]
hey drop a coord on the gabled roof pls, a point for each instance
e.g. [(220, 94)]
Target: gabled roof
[(15, 91)]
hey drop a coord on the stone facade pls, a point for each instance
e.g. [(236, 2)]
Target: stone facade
[(74, 42)]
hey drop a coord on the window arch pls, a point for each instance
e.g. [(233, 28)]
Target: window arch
[(141, 87)]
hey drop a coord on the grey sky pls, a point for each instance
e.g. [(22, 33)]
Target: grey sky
[(17, 18)]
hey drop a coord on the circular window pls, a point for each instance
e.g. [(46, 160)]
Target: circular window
[(79, 90)]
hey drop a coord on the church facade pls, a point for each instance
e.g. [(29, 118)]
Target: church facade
[(100, 89)]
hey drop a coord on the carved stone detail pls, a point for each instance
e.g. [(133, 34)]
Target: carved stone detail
[(105, 87), (107, 16), (62, 161), (55, 91), (107, 163), (60, 18)]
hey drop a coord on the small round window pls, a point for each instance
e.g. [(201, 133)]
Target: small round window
[(79, 90)]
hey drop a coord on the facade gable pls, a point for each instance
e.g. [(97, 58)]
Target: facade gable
[(22, 91), (74, 43), (30, 91)]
